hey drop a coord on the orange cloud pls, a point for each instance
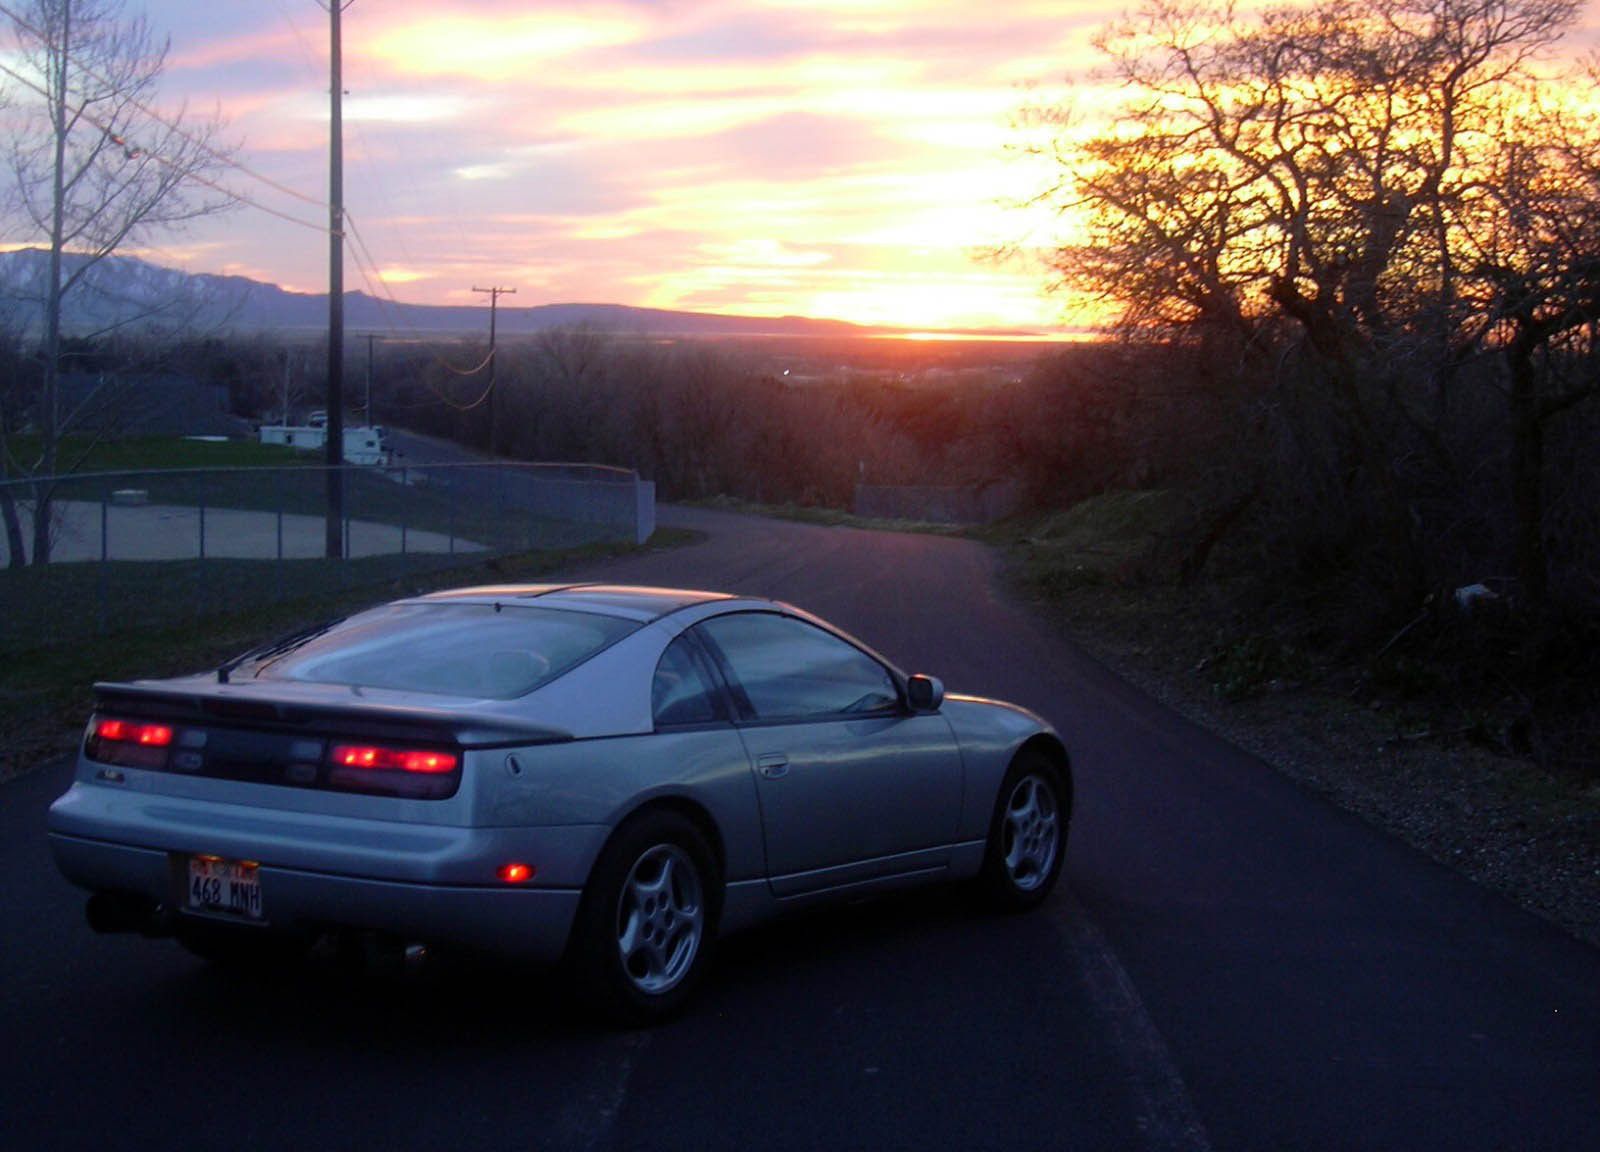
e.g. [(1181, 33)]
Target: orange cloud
[(496, 46), (833, 157)]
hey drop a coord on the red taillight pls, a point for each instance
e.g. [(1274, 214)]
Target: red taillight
[(388, 770), (423, 761), (133, 732), (133, 743)]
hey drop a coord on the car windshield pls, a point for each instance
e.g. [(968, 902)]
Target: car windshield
[(478, 650)]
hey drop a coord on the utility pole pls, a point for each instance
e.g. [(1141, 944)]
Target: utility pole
[(335, 454), (368, 408), (288, 363), (494, 295)]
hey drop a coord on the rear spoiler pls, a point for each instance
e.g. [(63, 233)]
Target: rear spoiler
[(203, 704)]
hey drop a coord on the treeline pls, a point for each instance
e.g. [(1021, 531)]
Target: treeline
[(1273, 467), (711, 419), (700, 418), (1282, 531), (1369, 233)]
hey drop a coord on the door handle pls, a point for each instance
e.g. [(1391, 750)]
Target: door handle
[(774, 766)]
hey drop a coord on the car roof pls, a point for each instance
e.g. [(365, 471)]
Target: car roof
[(634, 603)]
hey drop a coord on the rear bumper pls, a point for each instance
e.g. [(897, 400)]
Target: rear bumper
[(531, 922), (424, 882)]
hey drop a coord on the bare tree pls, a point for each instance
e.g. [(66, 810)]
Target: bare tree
[(1361, 182), (17, 371), (95, 168), (1530, 293)]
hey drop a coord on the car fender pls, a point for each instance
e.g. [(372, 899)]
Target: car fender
[(990, 733)]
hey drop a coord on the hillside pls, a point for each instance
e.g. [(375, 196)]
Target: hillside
[(124, 290)]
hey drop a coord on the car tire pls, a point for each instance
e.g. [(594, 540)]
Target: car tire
[(1027, 835), (647, 920)]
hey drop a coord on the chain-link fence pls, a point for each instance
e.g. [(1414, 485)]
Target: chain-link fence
[(130, 550)]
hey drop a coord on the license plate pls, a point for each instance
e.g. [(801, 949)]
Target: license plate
[(225, 887)]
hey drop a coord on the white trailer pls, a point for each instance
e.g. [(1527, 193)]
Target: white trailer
[(362, 445)]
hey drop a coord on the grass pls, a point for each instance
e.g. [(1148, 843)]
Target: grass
[(71, 605), (832, 517), (1118, 519), (165, 629), (144, 453), (1102, 541)]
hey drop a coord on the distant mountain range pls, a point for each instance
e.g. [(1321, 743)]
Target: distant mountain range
[(123, 291)]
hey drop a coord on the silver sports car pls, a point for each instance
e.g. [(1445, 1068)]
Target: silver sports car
[(608, 776)]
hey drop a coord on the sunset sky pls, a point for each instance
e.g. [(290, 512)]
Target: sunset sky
[(832, 158)]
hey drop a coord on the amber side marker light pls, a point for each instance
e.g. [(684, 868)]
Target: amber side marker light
[(515, 873)]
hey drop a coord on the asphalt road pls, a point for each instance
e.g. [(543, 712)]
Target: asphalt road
[(413, 448), (1231, 963)]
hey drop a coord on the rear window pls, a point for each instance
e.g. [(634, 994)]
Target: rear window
[(478, 650)]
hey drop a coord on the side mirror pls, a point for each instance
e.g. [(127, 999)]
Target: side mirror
[(924, 693)]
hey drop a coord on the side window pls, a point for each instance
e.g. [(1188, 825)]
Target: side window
[(680, 693), (788, 669)]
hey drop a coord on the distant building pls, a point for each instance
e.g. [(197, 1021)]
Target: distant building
[(147, 405)]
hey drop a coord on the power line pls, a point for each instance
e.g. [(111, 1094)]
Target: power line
[(220, 157), (352, 239), (361, 252), (382, 293), (109, 132), (374, 280), (315, 73), (365, 262)]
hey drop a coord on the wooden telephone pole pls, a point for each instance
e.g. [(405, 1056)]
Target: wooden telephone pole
[(335, 426), (494, 295)]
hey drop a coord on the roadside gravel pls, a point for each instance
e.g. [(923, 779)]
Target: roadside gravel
[(1531, 834)]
